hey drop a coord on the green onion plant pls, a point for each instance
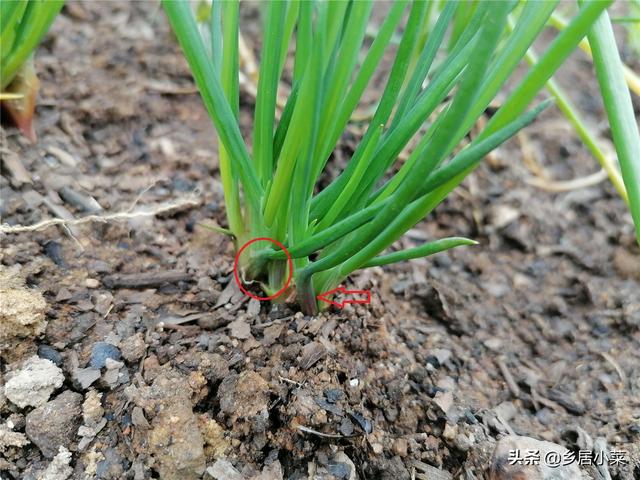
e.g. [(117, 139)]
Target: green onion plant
[(23, 23), (443, 77)]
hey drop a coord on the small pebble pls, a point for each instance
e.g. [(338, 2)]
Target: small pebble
[(55, 423), (49, 353), (33, 382), (133, 347), (341, 471), (346, 427), (401, 447), (333, 395), (365, 425), (59, 468), (92, 410), (101, 351), (84, 377), (53, 250), (432, 361), (91, 283)]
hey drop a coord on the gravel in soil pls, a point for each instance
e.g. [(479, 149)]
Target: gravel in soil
[(167, 370)]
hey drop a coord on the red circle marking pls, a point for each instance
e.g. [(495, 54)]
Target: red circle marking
[(237, 276)]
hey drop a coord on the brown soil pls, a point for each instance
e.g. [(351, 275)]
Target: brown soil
[(535, 331)]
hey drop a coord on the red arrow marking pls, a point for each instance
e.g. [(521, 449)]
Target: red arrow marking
[(365, 296)]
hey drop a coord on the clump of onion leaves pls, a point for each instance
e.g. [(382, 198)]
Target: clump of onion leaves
[(349, 224)]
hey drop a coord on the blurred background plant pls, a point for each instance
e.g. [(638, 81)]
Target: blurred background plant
[(23, 23), (617, 82)]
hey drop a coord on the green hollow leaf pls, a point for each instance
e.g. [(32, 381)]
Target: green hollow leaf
[(437, 187), (394, 82), (362, 78), (424, 62), (293, 9), (347, 193), (458, 167), (365, 245), (554, 56), (11, 12), (267, 90), (395, 140), (446, 77), (530, 23), (617, 102), (424, 250), (300, 127), (215, 27), (225, 44), (296, 216), (285, 121), (344, 63), (184, 25)]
